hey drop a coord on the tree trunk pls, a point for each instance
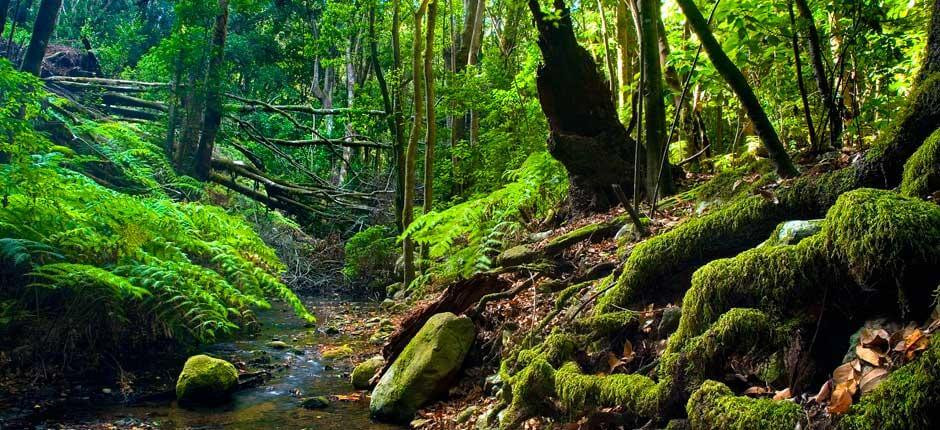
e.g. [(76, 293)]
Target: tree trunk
[(42, 30), (4, 7), (431, 136), (585, 132), (213, 117), (658, 169), (351, 74), (819, 73), (799, 80), (412, 153), (473, 53), (738, 83), (173, 109), (608, 58), (626, 51), (390, 117)]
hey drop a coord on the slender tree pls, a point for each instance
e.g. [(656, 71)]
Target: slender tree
[(212, 119), (794, 35), (4, 7), (819, 73), (658, 168), (42, 30), (411, 155), (765, 130), (431, 136)]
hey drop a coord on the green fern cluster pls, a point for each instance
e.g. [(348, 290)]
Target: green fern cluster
[(465, 238), (76, 253)]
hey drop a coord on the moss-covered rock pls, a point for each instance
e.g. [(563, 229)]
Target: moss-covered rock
[(364, 372), (792, 232), (922, 170), (908, 399), (337, 352), (206, 381), (424, 369), (714, 407), (316, 402)]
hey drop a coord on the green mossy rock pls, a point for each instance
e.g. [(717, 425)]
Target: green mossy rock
[(365, 371), (277, 344), (424, 369), (318, 402), (922, 170), (206, 381)]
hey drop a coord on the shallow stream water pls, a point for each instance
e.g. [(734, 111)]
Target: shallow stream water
[(275, 403)]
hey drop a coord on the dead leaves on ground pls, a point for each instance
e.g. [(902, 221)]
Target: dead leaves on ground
[(878, 353)]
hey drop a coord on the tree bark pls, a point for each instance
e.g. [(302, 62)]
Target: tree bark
[(586, 134), (626, 51), (658, 169), (4, 7), (799, 80), (431, 136), (390, 117), (819, 73), (212, 120), (472, 57), (738, 83), (42, 30), (412, 153)]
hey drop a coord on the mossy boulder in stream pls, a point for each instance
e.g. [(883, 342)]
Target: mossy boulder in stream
[(364, 372), (424, 369), (206, 381)]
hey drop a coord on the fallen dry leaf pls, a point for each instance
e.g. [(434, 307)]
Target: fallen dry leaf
[(876, 339), (352, 397), (757, 391), (844, 373), (841, 400), (871, 379), (824, 392), (782, 394), (869, 355)]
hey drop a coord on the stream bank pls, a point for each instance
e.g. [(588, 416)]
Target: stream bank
[(280, 366)]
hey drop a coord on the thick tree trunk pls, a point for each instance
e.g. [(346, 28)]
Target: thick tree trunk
[(412, 153), (586, 133), (212, 120), (765, 130), (658, 169), (799, 80), (42, 30), (819, 73)]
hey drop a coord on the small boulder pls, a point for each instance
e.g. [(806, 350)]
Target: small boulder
[(337, 352), (424, 369), (277, 344), (792, 232), (670, 321), (206, 381), (517, 255), (318, 402), (364, 372)]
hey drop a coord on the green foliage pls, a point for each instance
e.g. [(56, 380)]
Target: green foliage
[(140, 265), (371, 255), (466, 237)]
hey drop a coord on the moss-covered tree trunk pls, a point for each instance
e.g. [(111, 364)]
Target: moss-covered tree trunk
[(42, 30), (412, 154), (765, 130), (212, 120), (585, 131), (431, 135)]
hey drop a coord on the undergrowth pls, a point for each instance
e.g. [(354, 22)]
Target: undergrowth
[(84, 266)]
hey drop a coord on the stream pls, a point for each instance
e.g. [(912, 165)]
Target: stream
[(297, 372)]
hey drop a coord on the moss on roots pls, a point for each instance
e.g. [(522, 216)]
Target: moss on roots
[(922, 170), (713, 406), (636, 394)]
